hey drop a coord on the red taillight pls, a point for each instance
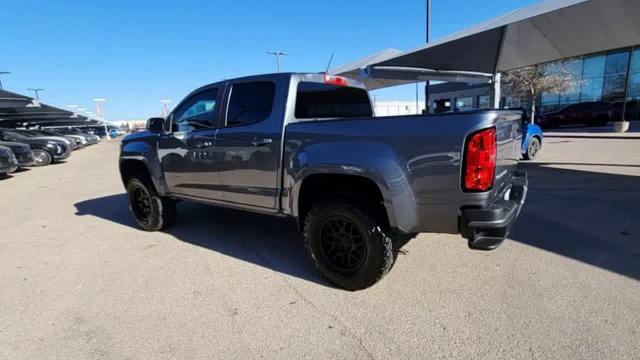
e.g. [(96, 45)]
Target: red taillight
[(335, 80), (480, 161)]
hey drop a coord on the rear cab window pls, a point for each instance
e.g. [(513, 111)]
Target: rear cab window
[(327, 101)]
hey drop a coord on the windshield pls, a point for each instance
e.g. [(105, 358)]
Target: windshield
[(14, 134), (318, 100), (42, 133), (20, 133)]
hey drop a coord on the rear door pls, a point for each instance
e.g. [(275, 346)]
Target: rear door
[(247, 147)]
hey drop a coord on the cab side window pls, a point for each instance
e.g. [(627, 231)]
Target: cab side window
[(250, 102), (198, 112)]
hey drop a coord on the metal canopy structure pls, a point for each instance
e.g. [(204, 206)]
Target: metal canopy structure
[(11, 100), (18, 110), (547, 31)]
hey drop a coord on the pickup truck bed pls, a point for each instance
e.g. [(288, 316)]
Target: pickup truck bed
[(416, 161)]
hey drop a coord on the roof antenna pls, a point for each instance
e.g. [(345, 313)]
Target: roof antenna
[(329, 65)]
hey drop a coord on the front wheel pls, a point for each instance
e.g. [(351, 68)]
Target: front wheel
[(533, 149), (150, 210), (41, 157), (347, 245)]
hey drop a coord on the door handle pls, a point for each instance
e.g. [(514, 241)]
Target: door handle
[(261, 142), (203, 144)]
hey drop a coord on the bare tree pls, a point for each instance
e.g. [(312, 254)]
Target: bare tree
[(530, 82)]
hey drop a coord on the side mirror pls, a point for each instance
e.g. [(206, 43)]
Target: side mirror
[(155, 125)]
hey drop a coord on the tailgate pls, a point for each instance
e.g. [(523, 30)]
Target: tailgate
[(509, 141)]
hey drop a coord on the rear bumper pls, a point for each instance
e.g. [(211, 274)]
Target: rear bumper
[(62, 156), (486, 228)]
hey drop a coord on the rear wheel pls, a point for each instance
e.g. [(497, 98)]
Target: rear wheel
[(533, 149), (150, 210), (347, 245), (41, 157)]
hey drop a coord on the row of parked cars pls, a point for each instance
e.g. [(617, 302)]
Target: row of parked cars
[(40, 147)]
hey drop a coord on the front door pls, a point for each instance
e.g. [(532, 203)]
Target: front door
[(186, 153), (248, 146)]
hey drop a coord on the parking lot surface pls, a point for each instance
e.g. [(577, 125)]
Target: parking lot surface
[(78, 280)]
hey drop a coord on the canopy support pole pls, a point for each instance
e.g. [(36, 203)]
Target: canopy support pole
[(496, 91)]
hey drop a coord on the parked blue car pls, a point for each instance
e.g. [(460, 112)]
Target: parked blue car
[(531, 141)]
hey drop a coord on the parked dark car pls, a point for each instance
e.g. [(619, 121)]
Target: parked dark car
[(90, 139), (98, 131), (71, 143), (8, 161), (81, 141), (586, 113), (44, 151), (74, 142), (21, 151)]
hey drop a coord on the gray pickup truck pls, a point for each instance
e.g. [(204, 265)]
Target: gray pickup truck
[(308, 146)]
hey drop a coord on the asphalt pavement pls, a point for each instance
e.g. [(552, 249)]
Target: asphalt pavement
[(78, 280)]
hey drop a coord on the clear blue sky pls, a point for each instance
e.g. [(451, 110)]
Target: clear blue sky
[(136, 53)]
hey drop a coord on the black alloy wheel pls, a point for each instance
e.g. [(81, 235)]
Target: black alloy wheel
[(343, 245), (348, 244), (141, 204), (151, 211)]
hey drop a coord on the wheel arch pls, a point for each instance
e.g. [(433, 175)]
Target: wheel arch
[(320, 186), (538, 137), (135, 166)]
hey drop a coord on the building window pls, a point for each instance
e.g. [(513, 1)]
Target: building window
[(591, 90), (615, 76), (464, 103), (593, 78), (441, 106), (633, 98), (634, 79), (484, 102), (613, 90), (594, 66), (617, 63)]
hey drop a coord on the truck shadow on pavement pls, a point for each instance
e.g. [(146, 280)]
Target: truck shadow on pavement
[(588, 216), (271, 242)]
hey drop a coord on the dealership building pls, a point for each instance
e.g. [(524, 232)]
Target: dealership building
[(598, 40), (612, 78)]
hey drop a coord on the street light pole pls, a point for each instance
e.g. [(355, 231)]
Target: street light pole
[(3, 73), (36, 91), (277, 55), (165, 107), (100, 114), (428, 35)]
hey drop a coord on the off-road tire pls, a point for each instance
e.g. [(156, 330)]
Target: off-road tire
[(160, 211), (380, 252)]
